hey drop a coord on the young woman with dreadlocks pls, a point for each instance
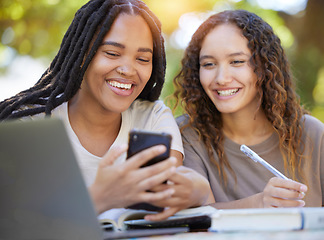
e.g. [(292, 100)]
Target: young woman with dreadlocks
[(104, 81), (236, 88)]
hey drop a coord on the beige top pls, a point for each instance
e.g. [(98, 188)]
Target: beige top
[(252, 177), (153, 116)]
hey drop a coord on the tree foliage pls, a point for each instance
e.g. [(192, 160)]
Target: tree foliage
[(36, 28)]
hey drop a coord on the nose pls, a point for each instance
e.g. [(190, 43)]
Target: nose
[(223, 76), (126, 69)]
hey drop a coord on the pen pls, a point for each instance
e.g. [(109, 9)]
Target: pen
[(256, 158)]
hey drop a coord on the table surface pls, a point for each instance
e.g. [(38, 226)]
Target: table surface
[(261, 235)]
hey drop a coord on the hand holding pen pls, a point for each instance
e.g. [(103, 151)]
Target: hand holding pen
[(280, 191)]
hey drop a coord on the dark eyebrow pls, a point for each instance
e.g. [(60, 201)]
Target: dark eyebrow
[(205, 56), (116, 44), (145, 50), (229, 55), (237, 54)]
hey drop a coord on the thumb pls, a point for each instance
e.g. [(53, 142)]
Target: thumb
[(113, 153)]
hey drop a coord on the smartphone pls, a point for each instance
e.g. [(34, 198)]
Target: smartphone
[(140, 140)]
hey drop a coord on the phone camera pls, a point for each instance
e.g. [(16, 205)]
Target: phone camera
[(135, 137)]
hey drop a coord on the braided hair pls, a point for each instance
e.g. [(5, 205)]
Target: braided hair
[(278, 98), (62, 79)]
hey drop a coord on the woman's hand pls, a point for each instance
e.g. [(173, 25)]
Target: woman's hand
[(283, 193), (121, 185), (190, 190)]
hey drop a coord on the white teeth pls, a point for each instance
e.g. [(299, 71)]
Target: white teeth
[(126, 86), (229, 92)]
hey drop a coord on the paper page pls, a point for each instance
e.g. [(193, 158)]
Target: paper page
[(197, 210)]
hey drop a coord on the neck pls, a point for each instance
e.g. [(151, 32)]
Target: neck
[(96, 130), (100, 122), (246, 128)]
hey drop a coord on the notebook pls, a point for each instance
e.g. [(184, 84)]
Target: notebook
[(43, 194)]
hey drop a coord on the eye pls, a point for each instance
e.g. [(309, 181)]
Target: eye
[(144, 60), (237, 62), (112, 54), (207, 64)]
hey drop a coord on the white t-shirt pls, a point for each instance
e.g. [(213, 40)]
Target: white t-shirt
[(154, 116)]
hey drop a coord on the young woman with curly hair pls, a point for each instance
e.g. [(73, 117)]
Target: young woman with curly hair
[(235, 87), (105, 80)]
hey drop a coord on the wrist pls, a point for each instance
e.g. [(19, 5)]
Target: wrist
[(259, 200), (203, 192), (96, 199)]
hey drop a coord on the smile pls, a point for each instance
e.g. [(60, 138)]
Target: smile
[(229, 92), (126, 86)]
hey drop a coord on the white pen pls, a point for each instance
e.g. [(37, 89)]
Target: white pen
[(256, 158)]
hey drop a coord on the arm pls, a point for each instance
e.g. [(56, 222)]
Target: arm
[(178, 155), (277, 193)]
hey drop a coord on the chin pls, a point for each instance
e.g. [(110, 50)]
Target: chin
[(223, 108), (121, 109)]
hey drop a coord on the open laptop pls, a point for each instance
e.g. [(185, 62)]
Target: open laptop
[(42, 192)]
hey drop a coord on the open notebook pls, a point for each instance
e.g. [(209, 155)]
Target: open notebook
[(43, 195)]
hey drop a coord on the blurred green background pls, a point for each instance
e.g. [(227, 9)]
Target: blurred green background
[(31, 32)]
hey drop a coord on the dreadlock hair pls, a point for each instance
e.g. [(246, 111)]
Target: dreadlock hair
[(278, 98), (61, 81)]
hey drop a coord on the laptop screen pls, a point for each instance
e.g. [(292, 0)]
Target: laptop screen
[(43, 195)]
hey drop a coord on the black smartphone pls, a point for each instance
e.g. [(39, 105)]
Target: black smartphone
[(140, 140)]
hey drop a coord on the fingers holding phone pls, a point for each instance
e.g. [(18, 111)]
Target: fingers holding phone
[(141, 158), (140, 140), (123, 184)]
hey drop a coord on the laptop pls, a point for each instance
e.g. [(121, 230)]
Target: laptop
[(42, 191)]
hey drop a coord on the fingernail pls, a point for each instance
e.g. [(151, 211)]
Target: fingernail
[(303, 188), (147, 218), (301, 203), (301, 195), (170, 191), (162, 148)]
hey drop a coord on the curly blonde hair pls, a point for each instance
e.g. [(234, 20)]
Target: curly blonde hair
[(278, 98)]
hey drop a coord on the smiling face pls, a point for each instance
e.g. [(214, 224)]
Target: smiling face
[(225, 73), (121, 66)]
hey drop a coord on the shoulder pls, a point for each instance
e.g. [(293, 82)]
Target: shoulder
[(182, 120), (61, 111), (187, 131), (57, 112), (183, 123), (312, 124), (310, 120), (313, 129)]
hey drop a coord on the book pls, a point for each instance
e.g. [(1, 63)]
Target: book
[(208, 218), (125, 219), (267, 219)]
